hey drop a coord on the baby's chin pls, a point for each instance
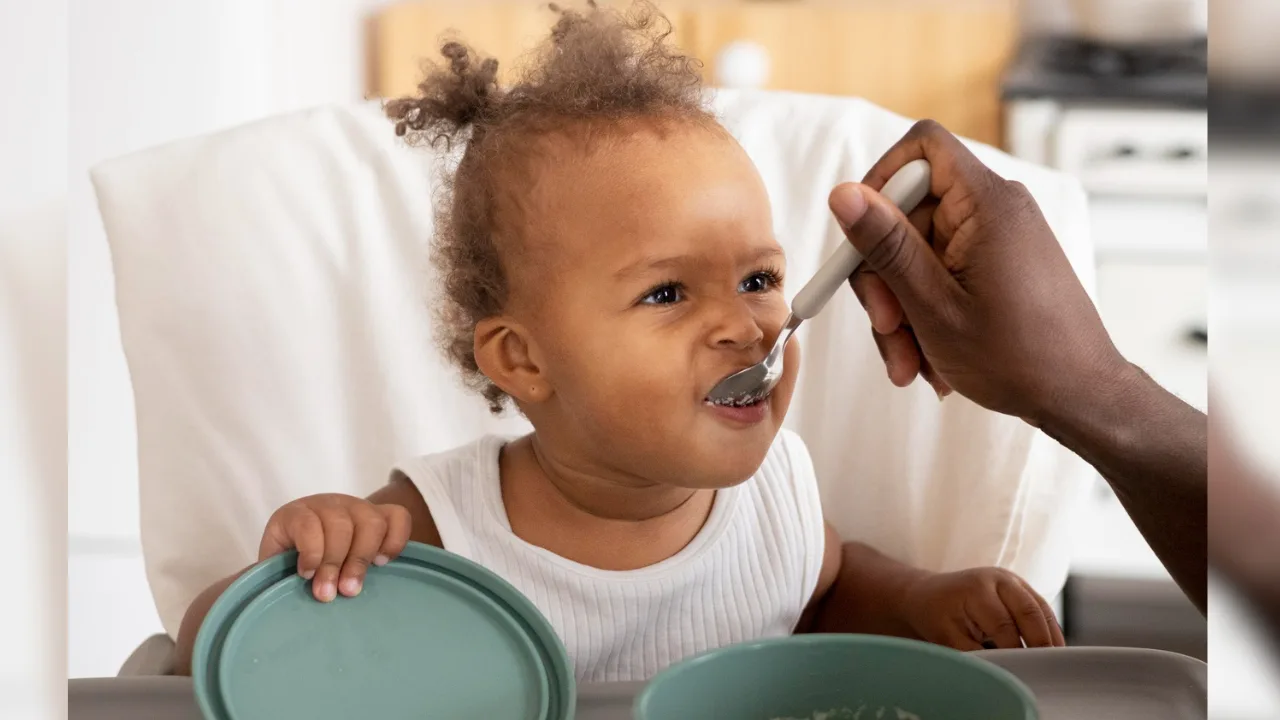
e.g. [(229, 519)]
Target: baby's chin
[(724, 467)]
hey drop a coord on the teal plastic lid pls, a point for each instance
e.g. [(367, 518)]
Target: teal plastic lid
[(431, 635)]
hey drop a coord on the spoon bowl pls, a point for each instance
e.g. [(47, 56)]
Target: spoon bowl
[(752, 384), (905, 189)]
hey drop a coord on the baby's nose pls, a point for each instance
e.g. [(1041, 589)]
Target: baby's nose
[(737, 328)]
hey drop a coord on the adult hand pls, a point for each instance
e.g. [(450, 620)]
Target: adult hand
[(972, 291)]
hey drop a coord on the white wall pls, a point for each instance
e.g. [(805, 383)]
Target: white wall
[(143, 72), (33, 73)]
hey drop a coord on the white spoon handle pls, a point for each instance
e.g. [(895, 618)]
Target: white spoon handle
[(905, 189)]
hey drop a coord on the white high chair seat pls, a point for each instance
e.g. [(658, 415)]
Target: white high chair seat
[(273, 293)]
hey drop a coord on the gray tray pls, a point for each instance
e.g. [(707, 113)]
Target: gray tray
[(1085, 682), (1069, 684)]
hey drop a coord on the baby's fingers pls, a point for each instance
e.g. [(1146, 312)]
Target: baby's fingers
[(370, 528), (338, 533), (989, 613), (399, 528), (1055, 628), (1025, 608), (295, 527)]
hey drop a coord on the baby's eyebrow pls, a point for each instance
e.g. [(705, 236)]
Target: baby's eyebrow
[(646, 264), (650, 263)]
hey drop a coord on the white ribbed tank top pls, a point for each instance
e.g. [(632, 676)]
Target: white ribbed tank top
[(748, 573)]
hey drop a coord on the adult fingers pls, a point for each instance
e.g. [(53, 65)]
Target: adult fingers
[(901, 355), (894, 249), (951, 163), (878, 300), (932, 377)]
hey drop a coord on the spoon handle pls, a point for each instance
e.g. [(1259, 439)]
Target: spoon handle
[(905, 189)]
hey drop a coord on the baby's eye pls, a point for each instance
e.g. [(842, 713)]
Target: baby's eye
[(664, 295), (758, 282)]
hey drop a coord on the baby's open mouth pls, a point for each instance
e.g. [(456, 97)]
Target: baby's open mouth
[(736, 402), (743, 400), (740, 401)]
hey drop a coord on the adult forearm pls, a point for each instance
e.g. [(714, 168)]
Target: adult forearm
[(868, 595), (1153, 450)]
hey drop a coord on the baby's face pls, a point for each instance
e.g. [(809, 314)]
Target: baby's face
[(659, 276)]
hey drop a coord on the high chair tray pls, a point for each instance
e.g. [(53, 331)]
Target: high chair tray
[(1087, 682), (1069, 684)]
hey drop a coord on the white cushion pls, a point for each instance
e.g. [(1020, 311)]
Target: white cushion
[(274, 299)]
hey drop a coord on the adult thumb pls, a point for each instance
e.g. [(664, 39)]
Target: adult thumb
[(891, 246)]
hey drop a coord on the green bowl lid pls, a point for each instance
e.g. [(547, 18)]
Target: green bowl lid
[(431, 635)]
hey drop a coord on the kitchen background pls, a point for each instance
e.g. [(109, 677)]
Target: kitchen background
[(1113, 91)]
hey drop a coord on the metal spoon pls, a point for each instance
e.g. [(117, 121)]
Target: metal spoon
[(905, 189)]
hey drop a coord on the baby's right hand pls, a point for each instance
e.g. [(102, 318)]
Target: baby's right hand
[(337, 537)]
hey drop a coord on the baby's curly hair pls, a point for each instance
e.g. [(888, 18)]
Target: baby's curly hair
[(598, 67)]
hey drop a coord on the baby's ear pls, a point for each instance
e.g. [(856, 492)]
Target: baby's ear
[(505, 354)]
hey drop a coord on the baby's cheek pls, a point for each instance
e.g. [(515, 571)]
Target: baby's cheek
[(790, 371), (638, 373)]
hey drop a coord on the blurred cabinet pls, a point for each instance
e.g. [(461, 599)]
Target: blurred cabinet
[(404, 35), (1157, 313), (941, 60), (920, 58)]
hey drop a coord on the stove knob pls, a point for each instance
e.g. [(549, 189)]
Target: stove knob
[(1125, 151)]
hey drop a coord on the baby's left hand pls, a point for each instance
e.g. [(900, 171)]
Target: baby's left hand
[(964, 609)]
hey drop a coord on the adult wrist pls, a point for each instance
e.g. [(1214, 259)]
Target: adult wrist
[(1089, 401), (1100, 410)]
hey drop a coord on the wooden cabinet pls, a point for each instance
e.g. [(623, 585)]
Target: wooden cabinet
[(921, 58), (918, 58), (403, 35)]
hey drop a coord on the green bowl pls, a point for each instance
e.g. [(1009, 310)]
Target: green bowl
[(835, 677)]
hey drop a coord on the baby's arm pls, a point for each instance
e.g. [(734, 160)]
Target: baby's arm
[(335, 539), (861, 590), (857, 591)]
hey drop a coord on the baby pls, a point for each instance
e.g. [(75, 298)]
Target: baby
[(607, 256)]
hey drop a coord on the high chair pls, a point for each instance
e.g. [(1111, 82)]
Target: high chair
[(274, 300)]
